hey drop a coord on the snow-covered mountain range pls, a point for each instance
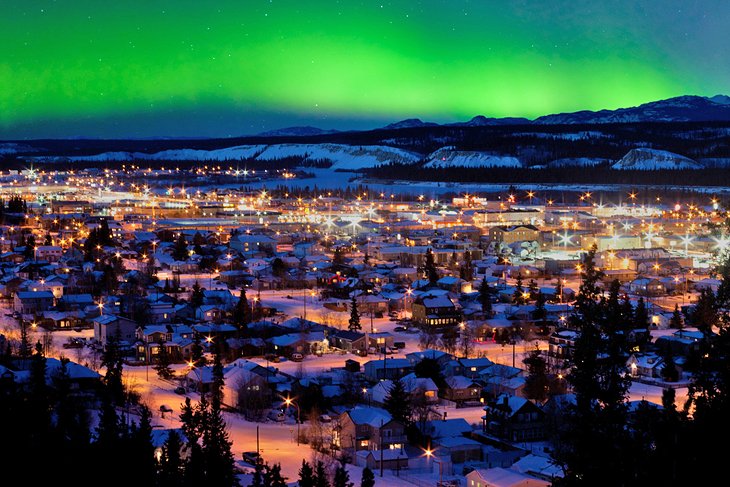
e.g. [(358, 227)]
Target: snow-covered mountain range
[(352, 157), (653, 159)]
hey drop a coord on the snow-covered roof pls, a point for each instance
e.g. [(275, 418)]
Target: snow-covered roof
[(370, 415)]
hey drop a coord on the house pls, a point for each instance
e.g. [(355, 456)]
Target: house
[(75, 302), (436, 311), (242, 377), (368, 428), (459, 449), (444, 428), (461, 390), (471, 367), (304, 343), (49, 253), (561, 345), (109, 326), (55, 320), (514, 419), (347, 340), (209, 313), (517, 233), (32, 302), (645, 365), (391, 458), (388, 368), (253, 243), (439, 356), (502, 477), (453, 284), (647, 287), (421, 389)]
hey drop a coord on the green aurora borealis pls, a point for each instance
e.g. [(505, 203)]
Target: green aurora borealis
[(182, 67)]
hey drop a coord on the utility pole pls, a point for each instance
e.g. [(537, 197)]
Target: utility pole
[(381, 447)]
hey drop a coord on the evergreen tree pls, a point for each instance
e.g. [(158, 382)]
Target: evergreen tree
[(676, 320), (704, 315), (342, 477), (171, 463), (430, 268), (641, 315), (306, 475), (196, 352), (163, 362), (29, 252), (217, 454), (180, 250), (368, 478), (320, 475), (595, 447), (38, 404), (273, 477), (48, 240), (518, 297), (339, 257), (258, 474), (398, 402), (197, 296), (559, 289), (537, 383), (354, 322), (113, 360), (242, 314), (532, 288), (485, 298), (539, 313)]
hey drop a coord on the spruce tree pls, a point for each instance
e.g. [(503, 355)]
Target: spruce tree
[(113, 361), (180, 250), (354, 322), (641, 315), (397, 402), (163, 362), (676, 320), (171, 465), (306, 475), (197, 296), (430, 268), (342, 476), (320, 475), (242, 314), (518, 297), (537, 383), (368, 478), (485, 298), (594, 446), (273, 477)]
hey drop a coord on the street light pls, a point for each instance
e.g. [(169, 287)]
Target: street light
[(430, 453), (290, 402)]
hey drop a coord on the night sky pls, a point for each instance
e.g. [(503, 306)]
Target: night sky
[(139, 68)]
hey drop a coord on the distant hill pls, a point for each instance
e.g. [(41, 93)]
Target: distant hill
[(303, 131), (680, 109)]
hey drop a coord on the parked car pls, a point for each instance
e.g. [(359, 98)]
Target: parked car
[(297, 357), (325, 418), (272, 357), (399, 328), (251, 457), (180, 390), (399, 345), (277, 415)]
